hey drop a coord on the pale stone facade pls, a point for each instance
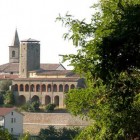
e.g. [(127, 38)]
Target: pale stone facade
[(32, 81), (43, 90), (14, 49), (11, 120), (29, 57), (46, 83), (33, 122)]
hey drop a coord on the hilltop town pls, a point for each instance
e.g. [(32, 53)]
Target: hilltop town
[(34, 82)]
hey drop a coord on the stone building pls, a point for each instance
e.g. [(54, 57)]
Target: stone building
[(32, 81), (11, 120)]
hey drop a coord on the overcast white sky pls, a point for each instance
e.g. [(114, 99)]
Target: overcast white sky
[(36, 19)]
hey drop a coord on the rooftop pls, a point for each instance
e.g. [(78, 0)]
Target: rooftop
[(4, 111), (14, 67), (29, 40)]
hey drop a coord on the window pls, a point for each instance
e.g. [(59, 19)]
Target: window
[(54, 88), (43, 88), (66, 88), (11, 130), (12, 120), (72, 86), (13, 53), (21, 87), (26, 87), (11, 113), (32, 87), (15, 87), (37, 87), (61, 88), (49, 88)]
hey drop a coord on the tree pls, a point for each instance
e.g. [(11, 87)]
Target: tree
[(31, 106), (4, 85), (5, 135), (25, 136), (51, 133), (50, 107), (9, 98), (108, 58)]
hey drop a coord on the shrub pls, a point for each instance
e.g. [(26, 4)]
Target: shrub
[(9, 98), (5, 84), (51, 133), (35, 105), (31, 107), (50, 107)]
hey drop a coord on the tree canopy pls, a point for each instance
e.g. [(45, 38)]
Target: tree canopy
[(108, 57), (5, 84), (5, 135), (52, 133)]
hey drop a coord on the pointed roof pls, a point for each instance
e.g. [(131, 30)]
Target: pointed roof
[(15, 39)]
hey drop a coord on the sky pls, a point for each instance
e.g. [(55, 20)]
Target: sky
[(36, 19)]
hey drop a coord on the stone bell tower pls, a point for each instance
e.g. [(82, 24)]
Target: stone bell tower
[(29, 56), (14, 49)]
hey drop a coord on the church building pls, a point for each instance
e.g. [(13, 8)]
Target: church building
[(33, 81)]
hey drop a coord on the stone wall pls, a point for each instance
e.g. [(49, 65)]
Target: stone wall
[(33, 122)]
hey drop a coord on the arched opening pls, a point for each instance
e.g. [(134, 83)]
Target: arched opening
[(37, 88), (21, 100), (66, 88), (47, 100), (35, 98), (32, 87), (56, 100), (26, 87), (43, 87), (49, 88), (21, 87), (13, 53), (15, 87), (72, 86), (54, 88), (61, 88)]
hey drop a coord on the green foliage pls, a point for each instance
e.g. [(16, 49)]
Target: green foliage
[(5, 135), (35, 105), (9, 98), (4, 85), (6, 96), (1, 99), (50, 107), (51, 133), (68, 133), (108, 57), (31, 106), (25, 136)]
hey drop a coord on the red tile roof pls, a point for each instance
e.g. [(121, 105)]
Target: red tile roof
[(48, 79), (53, 72), (46, 69), (14, 67), (48, 66), (9, 67), (4, 111), (8, 76)]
